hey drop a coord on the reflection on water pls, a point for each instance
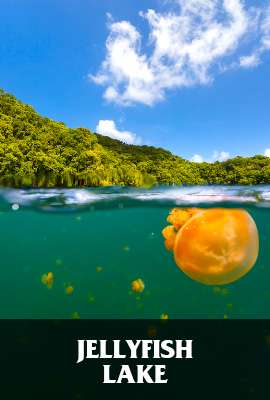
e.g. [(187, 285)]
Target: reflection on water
[(89, 246)]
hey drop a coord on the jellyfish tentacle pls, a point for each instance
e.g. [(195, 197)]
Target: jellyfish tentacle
[(169, 233)]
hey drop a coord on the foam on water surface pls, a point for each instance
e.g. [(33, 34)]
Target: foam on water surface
[(115, 197)]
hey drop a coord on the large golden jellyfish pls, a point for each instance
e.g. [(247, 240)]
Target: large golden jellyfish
[(213, 246)]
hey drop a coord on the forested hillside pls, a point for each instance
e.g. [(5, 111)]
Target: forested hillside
[(36, 151)]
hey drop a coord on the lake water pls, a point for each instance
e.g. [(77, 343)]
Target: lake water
[(99, 240)]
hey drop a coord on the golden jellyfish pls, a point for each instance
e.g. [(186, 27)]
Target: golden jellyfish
[(91, 298), (212, 246), (152, 331), (69, 289), (267, 340), (137, 286), (164, 317), (75, 315), (47, 279)]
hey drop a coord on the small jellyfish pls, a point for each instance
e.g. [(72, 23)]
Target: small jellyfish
[(267, 341), (137, 286), (164, 317), (213, 246), (225, 292), (99, 269), (151, 331), (59, 262), (75, 315), (69, 289), (221, 291), (90, 298), (217, 290), (47, 279)]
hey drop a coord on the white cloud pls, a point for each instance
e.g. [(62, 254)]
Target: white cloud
[(197, 158), (265, 27), (216, 156), (108, 128), (267, 152), (187, 46), (251, 61), (220, 156)]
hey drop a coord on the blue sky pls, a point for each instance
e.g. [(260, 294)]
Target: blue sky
[(194, 89)]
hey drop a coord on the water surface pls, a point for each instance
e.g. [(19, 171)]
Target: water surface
[(100, 239)]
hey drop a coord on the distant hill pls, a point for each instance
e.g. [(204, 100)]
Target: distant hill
[(37, 151)]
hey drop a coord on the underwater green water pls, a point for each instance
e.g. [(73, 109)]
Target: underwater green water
[(101, 250)]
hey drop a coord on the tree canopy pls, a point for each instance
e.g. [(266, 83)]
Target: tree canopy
[(39, 152)]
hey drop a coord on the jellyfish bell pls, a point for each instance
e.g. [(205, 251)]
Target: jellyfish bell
[(47, 279), (217, 246), (69, 290), (137, 285)]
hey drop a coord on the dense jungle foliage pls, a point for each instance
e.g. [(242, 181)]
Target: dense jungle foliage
[(36, 151)]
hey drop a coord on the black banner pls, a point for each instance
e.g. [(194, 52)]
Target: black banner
[(39, 358)]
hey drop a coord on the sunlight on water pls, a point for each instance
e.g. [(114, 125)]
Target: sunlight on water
[(77, 253)]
